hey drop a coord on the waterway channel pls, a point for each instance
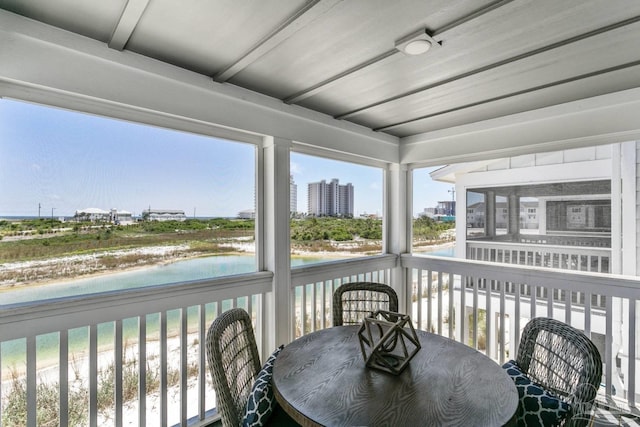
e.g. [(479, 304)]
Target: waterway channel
[(179, 271)]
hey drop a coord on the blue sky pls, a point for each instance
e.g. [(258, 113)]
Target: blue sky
[(66, 161)]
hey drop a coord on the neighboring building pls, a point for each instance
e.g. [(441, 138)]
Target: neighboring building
[(113, 216), (330, 199), (445, 211), (247, 214), (120, 217), (163, 215), (446, 207), (428, 212), (293, 195), (92, 215), (557, 210)]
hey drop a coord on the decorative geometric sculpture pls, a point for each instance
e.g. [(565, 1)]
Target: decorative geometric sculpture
[(388, 341)]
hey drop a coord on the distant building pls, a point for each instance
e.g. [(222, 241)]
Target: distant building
[(120, 217), (293, 196), (330, 199), (163, 215), (428, 212), (247, 214), (113, 216), (529, 218), (446, 207), (91, 215)]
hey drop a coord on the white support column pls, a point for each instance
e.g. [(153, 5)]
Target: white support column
[(629, 203), (461, 221), (397, 222), (514, 215), (461, 252), (490, 214), (616, 209), (276, 232), (542, 216), (628, 266)]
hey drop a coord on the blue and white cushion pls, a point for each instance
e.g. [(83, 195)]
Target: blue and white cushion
[(261, 401), (538, 406)]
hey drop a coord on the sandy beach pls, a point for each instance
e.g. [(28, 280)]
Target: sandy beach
[(62, 269)]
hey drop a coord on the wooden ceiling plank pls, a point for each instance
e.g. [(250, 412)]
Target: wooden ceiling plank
[(471, 16), (306, 93), (510, 95), (494, 65), (295, 23), (127, 23)]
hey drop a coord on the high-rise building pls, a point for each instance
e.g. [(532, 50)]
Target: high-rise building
[(330, 199), (293, 195)]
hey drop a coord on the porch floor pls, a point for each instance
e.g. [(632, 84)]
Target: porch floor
[(606, 418), (602, 418)]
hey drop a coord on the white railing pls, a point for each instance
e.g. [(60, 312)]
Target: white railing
[(125, 357), (582, 258), (313, 287), (450, 297), (482, 304)]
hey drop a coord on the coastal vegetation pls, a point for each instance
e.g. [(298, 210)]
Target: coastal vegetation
[(48, 393), (45, 249), (70, 249)]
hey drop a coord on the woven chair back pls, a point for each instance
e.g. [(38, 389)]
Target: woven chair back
[(352, 302), (234, 363), (563, 360)]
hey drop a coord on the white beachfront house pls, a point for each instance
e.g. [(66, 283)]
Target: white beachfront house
[(114, 216), (163, 215), (92, 214), (556, 210), (550, 88)]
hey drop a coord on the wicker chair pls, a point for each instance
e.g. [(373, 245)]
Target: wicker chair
[(234, 364), (352, 302), (563, 360)]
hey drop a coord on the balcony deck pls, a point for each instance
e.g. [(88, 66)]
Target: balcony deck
[(432, 292)]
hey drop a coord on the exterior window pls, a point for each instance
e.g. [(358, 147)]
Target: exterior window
[(336, 209), (476, 214), (587, 216), (434, 214), (98, 195), (575, 217)]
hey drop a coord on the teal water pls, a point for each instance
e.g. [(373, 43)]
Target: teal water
[(449, 251), (193, 269), (13, 352), (179, 271)]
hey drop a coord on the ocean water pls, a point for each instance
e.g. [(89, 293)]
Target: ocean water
[(179, 271), (12, 352), (448, 251), (192, 269)]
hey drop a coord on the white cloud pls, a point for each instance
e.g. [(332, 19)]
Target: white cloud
[(295, 168)]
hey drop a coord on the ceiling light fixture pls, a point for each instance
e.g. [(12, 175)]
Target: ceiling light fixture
[(416, 43), (417, 47)]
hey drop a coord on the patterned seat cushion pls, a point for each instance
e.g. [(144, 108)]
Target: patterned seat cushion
[(261, 401), (538, 406)]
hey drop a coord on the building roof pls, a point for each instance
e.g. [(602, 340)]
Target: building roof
[(91, 211)]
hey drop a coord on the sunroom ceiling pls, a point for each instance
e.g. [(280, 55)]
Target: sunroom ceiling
[(489, 58)]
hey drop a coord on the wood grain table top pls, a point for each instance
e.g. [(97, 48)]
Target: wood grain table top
[(321, 379)]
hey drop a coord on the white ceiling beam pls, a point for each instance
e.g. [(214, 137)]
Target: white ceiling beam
[(603, 119), (128, 21), (128, 89), (605, 71), (295, 23)]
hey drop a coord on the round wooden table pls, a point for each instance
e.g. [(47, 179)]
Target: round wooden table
[(321, 379)]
